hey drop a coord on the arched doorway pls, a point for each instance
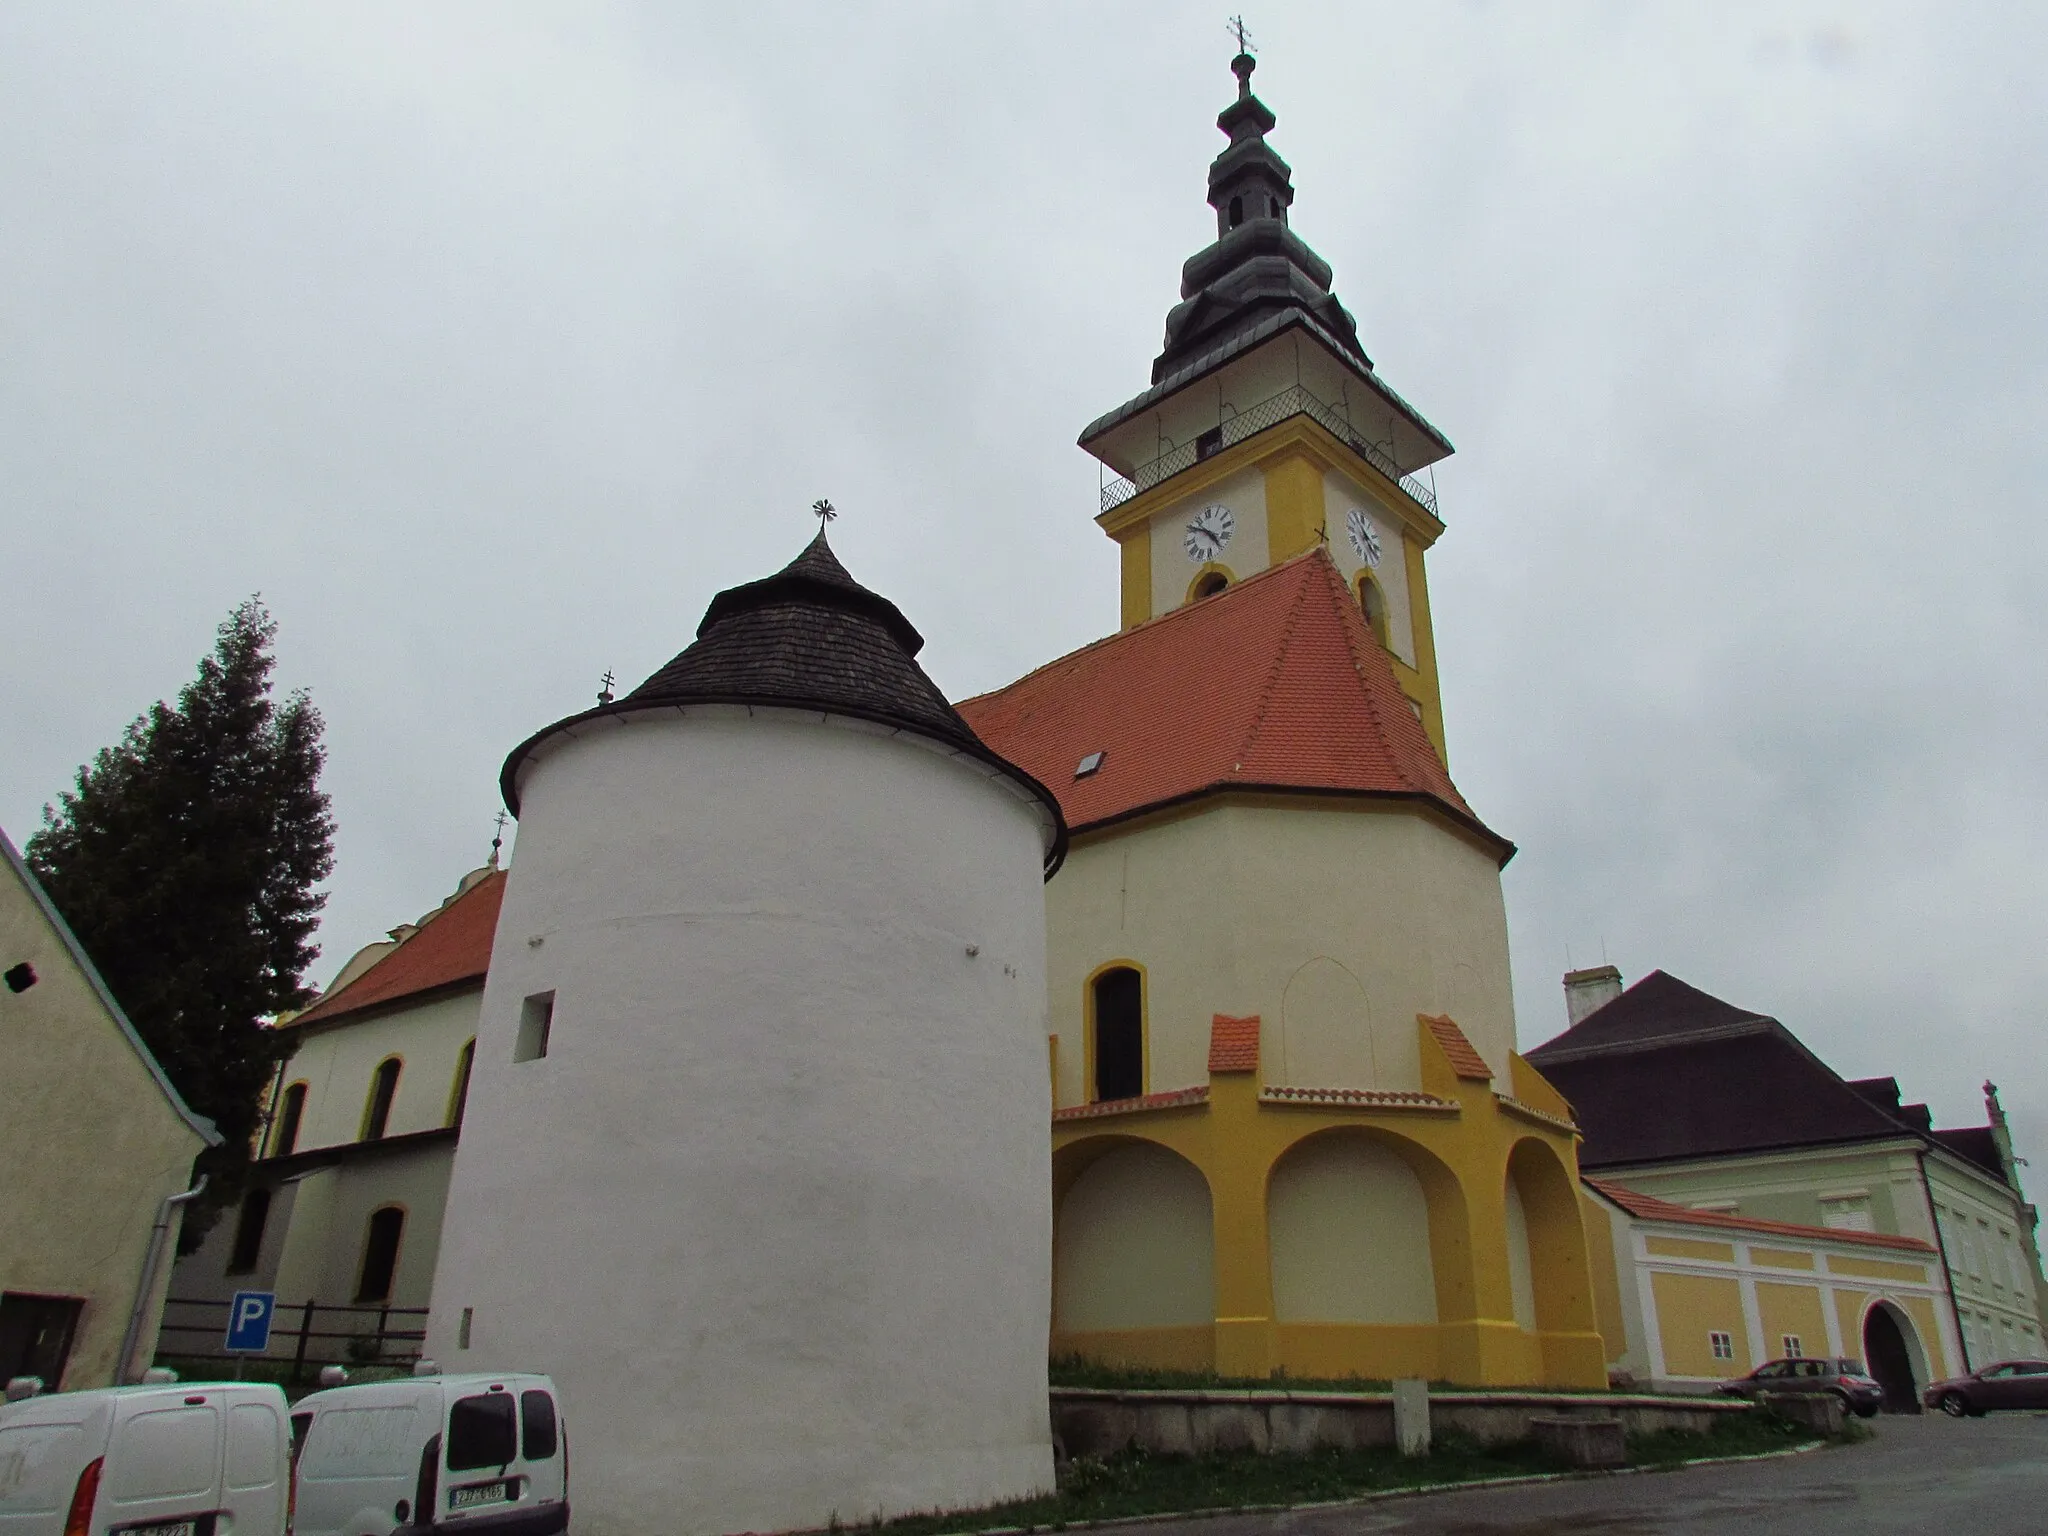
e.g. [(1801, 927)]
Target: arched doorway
[(1888, 1352)]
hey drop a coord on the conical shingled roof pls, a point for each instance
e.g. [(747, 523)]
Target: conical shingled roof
[(812, 636), (809, 637)]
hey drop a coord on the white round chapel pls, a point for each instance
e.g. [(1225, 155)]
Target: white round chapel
[(755, 1160)]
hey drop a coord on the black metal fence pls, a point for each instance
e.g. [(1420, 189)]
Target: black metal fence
[(305, 1335)]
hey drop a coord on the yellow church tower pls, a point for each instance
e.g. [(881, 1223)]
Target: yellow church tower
[(1290, 1127), (1266, 430)]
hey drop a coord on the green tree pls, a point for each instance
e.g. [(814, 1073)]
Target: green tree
[(185, 859)]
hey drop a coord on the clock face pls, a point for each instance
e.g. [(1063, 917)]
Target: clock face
[(1208, 533), (1364, 537)]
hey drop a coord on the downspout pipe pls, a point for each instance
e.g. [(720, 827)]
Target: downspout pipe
[(1948, 1274), (150, 1262)]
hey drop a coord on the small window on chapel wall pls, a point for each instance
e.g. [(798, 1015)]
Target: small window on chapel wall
[(1211, 584), (288, 1119), (1118, 1069), (383, 1088)]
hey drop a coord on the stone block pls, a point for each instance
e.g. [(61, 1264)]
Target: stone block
[(1411, 1416), (1818, 1411), (1582, 1442)]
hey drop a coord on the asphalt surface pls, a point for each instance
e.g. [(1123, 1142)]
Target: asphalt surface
[(1969, 1477)]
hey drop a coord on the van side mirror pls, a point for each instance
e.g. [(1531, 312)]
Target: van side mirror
[(333, 1375), (22, 1388)]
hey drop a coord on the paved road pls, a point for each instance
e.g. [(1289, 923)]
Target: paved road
[(1974, 1477)]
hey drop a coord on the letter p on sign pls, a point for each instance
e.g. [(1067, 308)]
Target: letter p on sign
[(249, 1322)]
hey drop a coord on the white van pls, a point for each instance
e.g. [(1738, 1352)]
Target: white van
[(485, 1455), (202, 1458)]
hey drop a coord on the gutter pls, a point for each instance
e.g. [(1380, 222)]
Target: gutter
[(149, 1267)]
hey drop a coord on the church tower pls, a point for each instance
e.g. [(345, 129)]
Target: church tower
[(1266, 430), (1290, 1130)]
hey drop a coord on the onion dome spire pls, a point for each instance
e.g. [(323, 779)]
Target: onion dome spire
[(1258, 268)]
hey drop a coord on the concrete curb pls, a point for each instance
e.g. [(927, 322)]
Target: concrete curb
[(1386, 1494)]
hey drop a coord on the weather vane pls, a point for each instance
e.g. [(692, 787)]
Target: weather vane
[(1235, 27), (498, 840), (604, 687), (824, 512)]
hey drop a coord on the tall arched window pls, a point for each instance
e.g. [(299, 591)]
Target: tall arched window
[(249, 1231), (380, 1253), (458, 1096), (1117, 1005), (383, 1088), (288, 1120), (1236, 212)]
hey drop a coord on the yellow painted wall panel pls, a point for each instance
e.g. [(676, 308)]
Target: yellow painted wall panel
[(1939, 1363), (1877, 1269), (1781, 1258), (1686, 1248), (1370, 1351), (1689, 1308), (1792, 1309)]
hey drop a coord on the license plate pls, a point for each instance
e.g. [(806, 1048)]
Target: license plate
[(164, 1528), (475, 1494)]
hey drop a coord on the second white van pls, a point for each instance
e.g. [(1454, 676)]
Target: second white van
[(480, 1454)]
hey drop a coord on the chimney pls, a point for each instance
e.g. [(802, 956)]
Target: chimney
[(1585, 991)]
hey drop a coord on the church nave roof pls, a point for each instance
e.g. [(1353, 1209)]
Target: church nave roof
[(1275, 683)]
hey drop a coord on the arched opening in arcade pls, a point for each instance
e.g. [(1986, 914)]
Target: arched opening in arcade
[(1133, 1255), (1550, 1279), (1893, 1354)]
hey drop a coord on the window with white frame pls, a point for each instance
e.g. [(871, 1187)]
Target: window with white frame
[(1722, 1344), (1792, 1350)]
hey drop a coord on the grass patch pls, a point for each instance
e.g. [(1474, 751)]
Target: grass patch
[(1134, 1482)]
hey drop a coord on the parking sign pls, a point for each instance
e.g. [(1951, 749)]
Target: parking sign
[(249, 1322)]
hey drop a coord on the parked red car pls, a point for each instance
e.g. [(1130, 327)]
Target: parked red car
[(2007, 1384)]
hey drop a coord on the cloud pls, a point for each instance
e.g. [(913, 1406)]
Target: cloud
[(488, 341)]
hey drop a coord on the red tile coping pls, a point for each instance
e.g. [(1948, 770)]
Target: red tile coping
[(1234, 1044), (1650, 1208), (1465, 1061), (1393, 1097), (1179, 1098), (1276, 683), (452, 945)]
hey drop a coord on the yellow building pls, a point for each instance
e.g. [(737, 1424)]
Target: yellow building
[(1290, 1127), (97, 1147), (1689, 1298)]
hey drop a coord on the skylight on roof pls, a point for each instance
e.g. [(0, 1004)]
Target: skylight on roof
[(1089, 764)]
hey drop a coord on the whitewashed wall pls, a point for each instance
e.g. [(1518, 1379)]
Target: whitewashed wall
[(774, 1209)]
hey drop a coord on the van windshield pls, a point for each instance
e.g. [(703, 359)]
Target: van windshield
[(482, 1432)]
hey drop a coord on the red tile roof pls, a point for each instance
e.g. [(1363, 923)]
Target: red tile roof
[(452, 945), (1650, 1208), (1274, 683), (1178, 1098), (1465, 1059), (1234, 1044)]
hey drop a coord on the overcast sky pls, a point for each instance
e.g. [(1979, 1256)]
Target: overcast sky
[(487, 341)]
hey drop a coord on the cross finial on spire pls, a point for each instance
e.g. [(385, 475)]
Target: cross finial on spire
[(604, 687), (498, 839), (1243, 65), (824, 512)]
